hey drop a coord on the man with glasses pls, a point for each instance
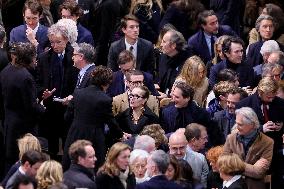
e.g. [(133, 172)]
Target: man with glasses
[(126, 62), (270, 112), (134, 78), (31, 31)]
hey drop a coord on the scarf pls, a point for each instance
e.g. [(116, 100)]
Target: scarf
[(123, 177)]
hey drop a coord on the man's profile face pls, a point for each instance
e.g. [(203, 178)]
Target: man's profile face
[(212, 25)]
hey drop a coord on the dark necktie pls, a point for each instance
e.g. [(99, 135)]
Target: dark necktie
[(265, 112), (212, 46), (131, 49)]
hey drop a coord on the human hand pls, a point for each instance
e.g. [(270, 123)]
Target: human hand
[(46, 94), (31, 36), (67, 99), (262, 163), (126, 136), (268, 127)]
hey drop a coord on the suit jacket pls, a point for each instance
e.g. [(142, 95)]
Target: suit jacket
[(86, 80), (199, 165), (120, 104), (78, 176), (238, 184), (21, 109), (197, 43), (89, 119), (144, 59), (117, 86), (12, 179), (224, 123), (84, 35), (262, 147), (104, 181), (158, 182), (244, 71), (18, 34), (125, 122)]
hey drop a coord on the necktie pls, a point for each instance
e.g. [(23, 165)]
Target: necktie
[(265, 112), (78, 80), (212, 46), (131, 49)]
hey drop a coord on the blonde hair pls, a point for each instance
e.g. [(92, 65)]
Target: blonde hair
[(110, 166), (230, 164), (267, 85), (190, 71), (49, 173), (147, 3), (213, 153), (219, 41), (28, 142)]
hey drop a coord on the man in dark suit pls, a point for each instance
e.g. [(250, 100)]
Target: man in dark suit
[(233, 49), (18, 91), (126, 62), (202, 42), (157, 165), (226, 118), (270, 112), (56, 76), (175, 53), (184, 111), (32, 31), (142, 49), (79, 175)]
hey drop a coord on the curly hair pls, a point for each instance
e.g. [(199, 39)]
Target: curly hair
[(110, 166), (50, 172), (72, 6), (213, 153), (156, 132), (28, 142), (101, 76), (231, 164), (25, 53)]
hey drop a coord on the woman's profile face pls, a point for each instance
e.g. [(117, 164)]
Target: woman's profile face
[(170, 172), (219, 52), (122, 159), (139, 167)]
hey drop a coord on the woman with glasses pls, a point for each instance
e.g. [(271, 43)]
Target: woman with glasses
[(138, 115)]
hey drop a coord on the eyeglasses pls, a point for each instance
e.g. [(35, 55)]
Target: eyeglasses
[(135, 96), (136, 83), (77, 54)]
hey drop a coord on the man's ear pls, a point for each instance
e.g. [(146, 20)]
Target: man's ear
[(222, 97)]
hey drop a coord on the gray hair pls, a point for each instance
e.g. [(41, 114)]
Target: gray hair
[(143, 142), (267, 69), (72, 30), (280, 60), (87, 50), (161, 159), (263, 17), (57, 29), (269, 47), (2, 35), (178, 39), (249, 116), (138, 154)]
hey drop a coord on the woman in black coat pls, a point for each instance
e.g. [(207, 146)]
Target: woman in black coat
[(89, 110), (138, 115), (116, 172)]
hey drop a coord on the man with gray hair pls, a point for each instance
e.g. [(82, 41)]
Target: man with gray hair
[(144, 142), (56, 77), (277, 57), (157, 165), (253, 147), (175, 52)]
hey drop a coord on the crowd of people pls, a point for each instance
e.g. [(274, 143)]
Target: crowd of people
[(145, 94)]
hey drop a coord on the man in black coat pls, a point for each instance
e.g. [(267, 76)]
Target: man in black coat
[(142, 49), (56, 77), (270, 112), (18, 90), (80, 174)]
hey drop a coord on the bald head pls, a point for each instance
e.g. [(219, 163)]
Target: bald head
[(177, 144)]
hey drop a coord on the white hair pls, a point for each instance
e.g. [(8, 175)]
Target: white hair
[(269, 47), (138, 154), (143, 142), (249, 116), (72, 29)]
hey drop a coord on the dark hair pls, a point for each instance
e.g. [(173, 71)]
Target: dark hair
[(177, 38), (193, 130), (237, 90), (174, 163), (24, 53), (226, 46), (32, 157), (132, 72), (201, 19), (227, 75), (77, 149), (71, 6), (186, 172), (24, 180), (125, 57), (34, 6), (146, 91), (101, 76), (187, 91), (123, 23)]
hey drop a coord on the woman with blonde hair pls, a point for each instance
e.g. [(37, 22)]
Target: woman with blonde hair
[(49, 173), (115, 172), (193, 73)]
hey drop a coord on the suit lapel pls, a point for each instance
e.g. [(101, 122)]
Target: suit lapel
[(86, 77), (204, 44)]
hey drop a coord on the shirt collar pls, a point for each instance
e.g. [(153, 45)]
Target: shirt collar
[(21, 170), (84, 69), (128, 45), (63, 53), (231, 181)]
